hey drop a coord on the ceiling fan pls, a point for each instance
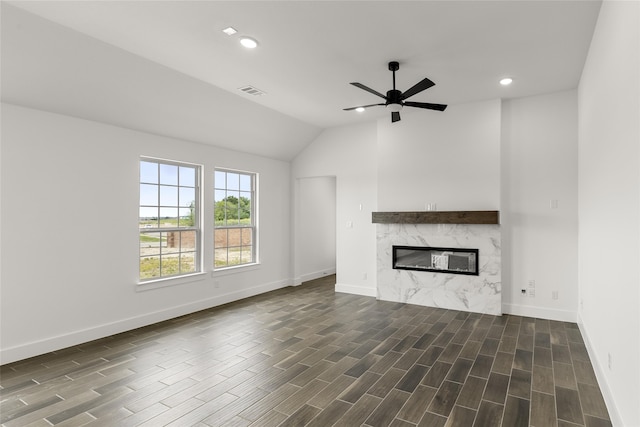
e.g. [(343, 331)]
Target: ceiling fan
[(395, 99)]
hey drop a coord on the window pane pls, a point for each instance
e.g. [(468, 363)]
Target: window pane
[(245, 182), (149, 172), (168, 196), (233, 181), (187, 217), (187, 241), (220, 238), (149, 267), (188, 263), (234, 236), (219, 195), (148, 195), (247, 236), (220, 180), (171, 242), (245, 208), (168, 217), (148, 217), (187, 176), (234, 256), (232, 207), (170, 265), (220, 258), (168, 174), (246, 255), (150, 244), (187, 196), (219, 207)]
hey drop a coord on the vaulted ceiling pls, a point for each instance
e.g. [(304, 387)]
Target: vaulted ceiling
[(166, 67)]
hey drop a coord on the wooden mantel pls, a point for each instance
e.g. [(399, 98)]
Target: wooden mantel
[(436, 217)]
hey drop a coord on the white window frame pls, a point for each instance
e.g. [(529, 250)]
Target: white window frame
[(254, 220), (196, 227)]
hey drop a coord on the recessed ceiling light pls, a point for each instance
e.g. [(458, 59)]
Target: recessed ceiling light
[(506, 81), (248, 42), (360, 109), (229, 31)]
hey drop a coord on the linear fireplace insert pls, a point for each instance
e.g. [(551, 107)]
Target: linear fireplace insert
[(440, 260)]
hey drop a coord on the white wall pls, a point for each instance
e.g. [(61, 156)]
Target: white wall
[(317, 231), (523, 151), (609, 207), (69, 231), (540, 165), (450, 158), (349, 154)]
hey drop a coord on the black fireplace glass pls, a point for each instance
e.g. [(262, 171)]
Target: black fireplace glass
[(440, 260)]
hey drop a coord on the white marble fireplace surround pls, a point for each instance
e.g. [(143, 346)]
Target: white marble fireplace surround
[(481, 294)]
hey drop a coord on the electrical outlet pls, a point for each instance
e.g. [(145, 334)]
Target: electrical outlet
[(554, 294), (364, 276)]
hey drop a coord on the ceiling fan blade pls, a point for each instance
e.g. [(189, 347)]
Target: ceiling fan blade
[(418, 87), (439, 107), (361, 106), (395, 117), (368, 89)]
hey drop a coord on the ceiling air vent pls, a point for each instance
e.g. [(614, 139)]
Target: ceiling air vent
[(250, 90)]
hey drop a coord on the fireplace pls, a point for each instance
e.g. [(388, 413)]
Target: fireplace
[(427, 247), (439, 260)]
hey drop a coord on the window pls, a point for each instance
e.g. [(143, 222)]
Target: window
[(169, 219), (235, 218)]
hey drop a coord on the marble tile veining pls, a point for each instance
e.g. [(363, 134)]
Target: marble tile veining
[(480, 293)]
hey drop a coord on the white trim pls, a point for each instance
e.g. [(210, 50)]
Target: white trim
[(169, 281), (234, 269), (614, 415), (356, 290), (35, 348), (316, 274), (539, 312)]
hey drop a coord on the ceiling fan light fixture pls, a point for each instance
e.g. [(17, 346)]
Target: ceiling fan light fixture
[(248, 42), (360, 109), (394, 108), (506, 81)]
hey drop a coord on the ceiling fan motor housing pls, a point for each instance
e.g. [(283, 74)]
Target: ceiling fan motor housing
[(394, 100)]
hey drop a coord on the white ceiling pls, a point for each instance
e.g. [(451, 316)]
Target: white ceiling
[(310, 50)]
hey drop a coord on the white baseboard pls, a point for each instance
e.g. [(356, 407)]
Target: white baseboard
[(356, 290), (540, 312), (35, 348), (317, 274), (614, 415)]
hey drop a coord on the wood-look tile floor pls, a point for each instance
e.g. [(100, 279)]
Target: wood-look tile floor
[(309, 356)]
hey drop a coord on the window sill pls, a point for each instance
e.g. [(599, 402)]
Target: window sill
[(169, 281), (235, 269)]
